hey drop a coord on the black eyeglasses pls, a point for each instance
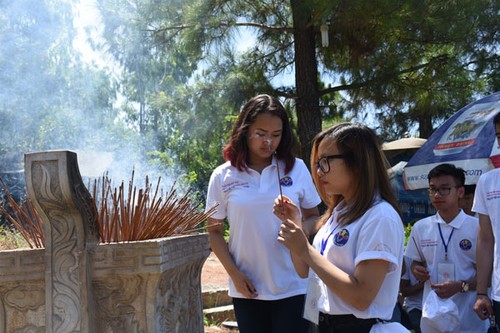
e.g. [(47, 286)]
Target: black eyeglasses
[(324, 162), (443, 191)]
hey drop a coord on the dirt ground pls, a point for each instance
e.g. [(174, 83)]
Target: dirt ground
[(213, 275)]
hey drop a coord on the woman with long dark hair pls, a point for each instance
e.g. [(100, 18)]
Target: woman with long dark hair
[(354, 264), (267, 292)]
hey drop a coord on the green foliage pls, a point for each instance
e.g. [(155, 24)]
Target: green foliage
[(11, 239), (408, 228), (403, 64), (415, 62), (186, 72), (226, 231)]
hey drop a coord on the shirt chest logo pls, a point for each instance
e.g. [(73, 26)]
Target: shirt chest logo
[(286, 181), (465, 244), (341, 238)]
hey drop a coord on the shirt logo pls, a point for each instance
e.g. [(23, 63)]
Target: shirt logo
[(465, 244), (341, 238), (286, 181), (492, 195), (428, 243), (232, 185)]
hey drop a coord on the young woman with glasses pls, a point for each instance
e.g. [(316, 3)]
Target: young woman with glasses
[(354, 264)]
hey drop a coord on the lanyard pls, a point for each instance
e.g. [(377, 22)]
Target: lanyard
[(325, 240), (445, 244)]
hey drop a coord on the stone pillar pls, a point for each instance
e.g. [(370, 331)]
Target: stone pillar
[(59, 196)]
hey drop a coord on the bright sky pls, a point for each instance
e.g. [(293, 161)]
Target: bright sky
[(87, 20)]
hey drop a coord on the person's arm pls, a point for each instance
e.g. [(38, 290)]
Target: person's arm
[(310, 221), (218, 244), (291, 232), (407, 289), (450, 288), (484, 263), (358, 289), (285, 208), (414, 252), (310, 225)]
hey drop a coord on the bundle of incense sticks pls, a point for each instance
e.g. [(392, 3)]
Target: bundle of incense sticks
[(24, 218), (144, 213), (136, 214)]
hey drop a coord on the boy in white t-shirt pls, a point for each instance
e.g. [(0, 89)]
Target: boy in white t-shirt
[(443, 250)]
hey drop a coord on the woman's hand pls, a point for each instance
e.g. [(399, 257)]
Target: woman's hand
[(244, 285), (292, 236), (219, 246), (284, 208)]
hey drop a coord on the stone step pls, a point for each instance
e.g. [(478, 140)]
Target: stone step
[(215, 297), (217, 306), (220, 314)]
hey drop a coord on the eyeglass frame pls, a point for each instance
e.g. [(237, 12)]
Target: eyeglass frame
[(432, 191), (327, 159)]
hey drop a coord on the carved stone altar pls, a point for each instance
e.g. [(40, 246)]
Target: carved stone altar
[(76, 285)]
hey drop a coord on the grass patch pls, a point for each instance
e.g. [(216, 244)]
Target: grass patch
[(11, 239)]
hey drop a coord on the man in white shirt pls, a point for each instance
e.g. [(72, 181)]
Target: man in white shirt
[(487, 205), (443, 250)]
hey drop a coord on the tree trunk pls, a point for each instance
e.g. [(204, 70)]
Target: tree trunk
[(306, 78), (425, 125)]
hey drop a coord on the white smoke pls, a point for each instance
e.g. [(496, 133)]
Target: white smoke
[(56, 92)]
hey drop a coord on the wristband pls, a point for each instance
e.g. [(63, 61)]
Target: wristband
[(482, 294)]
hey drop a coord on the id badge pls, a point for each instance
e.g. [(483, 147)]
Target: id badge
[(446, 272), (311, 310)]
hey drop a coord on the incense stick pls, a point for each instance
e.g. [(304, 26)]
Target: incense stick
[(279, 185), (420, 254)]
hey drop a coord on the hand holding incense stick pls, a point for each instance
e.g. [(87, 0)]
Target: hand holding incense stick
[(425, 273)]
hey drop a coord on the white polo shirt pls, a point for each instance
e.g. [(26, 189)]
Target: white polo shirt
[(378, 234), (461, 252), (247, 199), (487, 202)]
